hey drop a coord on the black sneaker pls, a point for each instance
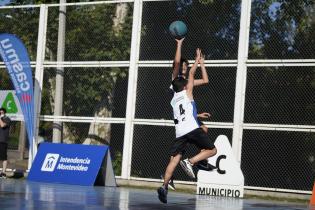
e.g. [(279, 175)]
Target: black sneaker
[(3, 175), (204, 165), (170, 183), (162, 194)]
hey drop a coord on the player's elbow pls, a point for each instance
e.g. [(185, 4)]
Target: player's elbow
[(204, 81), (191, 76)]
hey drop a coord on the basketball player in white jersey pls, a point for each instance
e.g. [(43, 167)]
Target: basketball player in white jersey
[(180, 69), (187, 129)]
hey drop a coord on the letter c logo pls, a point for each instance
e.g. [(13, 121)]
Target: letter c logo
[(217, 164)]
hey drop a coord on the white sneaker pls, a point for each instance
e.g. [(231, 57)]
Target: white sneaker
[(186, 165)]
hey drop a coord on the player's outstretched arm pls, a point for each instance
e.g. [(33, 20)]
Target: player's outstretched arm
[(191, 75), (204, 75), (177, 58)]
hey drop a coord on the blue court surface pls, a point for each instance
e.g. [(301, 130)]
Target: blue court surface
[(22, 194)]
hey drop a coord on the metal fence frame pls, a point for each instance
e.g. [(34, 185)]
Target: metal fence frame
[(134, 63)]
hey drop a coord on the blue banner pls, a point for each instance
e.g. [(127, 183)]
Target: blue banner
[(16, 59), (68, 163)]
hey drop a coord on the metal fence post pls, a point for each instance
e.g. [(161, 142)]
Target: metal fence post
[(239, 104), (38, 83), (132, 86), (57, 126)]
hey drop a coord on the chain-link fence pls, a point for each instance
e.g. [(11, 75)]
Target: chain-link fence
[(116, 75), (278, 159)]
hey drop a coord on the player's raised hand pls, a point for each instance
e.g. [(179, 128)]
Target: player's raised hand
[(198, 54), (202, 58), (180, 41)]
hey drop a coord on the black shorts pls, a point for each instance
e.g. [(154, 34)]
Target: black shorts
[(197, 137), (3, 151)]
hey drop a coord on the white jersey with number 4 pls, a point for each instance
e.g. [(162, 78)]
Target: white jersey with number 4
[(185, 113)]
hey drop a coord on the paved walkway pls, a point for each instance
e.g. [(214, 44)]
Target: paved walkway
[(21, 194)]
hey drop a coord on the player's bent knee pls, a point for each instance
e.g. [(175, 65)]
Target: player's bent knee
[(212, 151)]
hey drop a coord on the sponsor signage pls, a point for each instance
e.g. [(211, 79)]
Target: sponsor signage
[(227, 179), (17, 62), (73, 164), (10, 102)]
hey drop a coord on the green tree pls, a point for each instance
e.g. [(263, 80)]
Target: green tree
[(91, 35)]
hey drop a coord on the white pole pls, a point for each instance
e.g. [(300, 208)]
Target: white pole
[(57, 126), (38, 82), (240, 88), (132, 86)]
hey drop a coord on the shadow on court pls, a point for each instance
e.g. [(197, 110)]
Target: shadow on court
[(22, 194)]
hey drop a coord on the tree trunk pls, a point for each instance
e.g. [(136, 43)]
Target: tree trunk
[(101, 133)]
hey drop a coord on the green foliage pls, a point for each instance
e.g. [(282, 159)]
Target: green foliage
[(117, 160), (90, 36), (14, 135), (282, 29), (91, 30), (24, 24), (5, 81), (25, 2), (206, 1)]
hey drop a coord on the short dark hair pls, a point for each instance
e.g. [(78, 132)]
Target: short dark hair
[(179, 83), (3, 109)]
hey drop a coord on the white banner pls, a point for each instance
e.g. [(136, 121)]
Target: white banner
[(227, 179)]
